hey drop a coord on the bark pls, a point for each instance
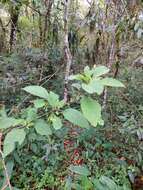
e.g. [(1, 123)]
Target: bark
[(40, 29), (68, 55), (132, 5), (48, 4), (14, 20), (2, 35), (112, 52)]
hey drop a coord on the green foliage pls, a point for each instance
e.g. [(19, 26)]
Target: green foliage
[(37, 91), (111, 82), (56, 121), (48, 115), (14, 136), (42, 127), (92, 80), (56, 145), (7, 122), (91, 110), (81, 170), (75, 117), (109, 184), (54, 110), (39, 103)]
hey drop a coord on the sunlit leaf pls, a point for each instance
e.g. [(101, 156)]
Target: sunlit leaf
[(53, 99), (39, 103), (111, 82), (57, 123), (81, 170), (91, 110), (6, 122), (16, 135), (100, 70), (37, 91), (94, 86), (76, 118), (42, 127)]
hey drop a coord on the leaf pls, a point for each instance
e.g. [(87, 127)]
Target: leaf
[(57, 123), (91, 110), (108, 183), (61, 104), (31, 114), (7, 122), (68, 184), (87, 71), (76, 85), (100, 70), (81, 170), (53, 99), (13, 188), (76, 118), (16, 135), (42, 127), (86, 183), (39, 103), (76, 77), (111, 82), (93, 87), (37, 91)]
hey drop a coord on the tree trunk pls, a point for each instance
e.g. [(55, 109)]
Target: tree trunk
[(48, 4), (2, 36), (40, 30), (68, 55), (132, 5), (14, 20)]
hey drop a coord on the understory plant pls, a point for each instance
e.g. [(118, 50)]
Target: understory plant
[(47, 113)]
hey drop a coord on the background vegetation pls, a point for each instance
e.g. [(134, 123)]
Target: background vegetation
[(62, 125)]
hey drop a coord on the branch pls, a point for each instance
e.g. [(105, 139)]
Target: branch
[(5, 169)]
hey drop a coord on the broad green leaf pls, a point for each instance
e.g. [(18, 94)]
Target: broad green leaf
[(111, 82), (13, 188), (100, 70), (93, 87), (42, 127), (91, 110), (31, 114), (86, 183), (76, 118), (76, 85), (53, 99), (87, 71), (61, 104), (76, 77), (80, 77), (76, 186), (6, 122), (16, 135), (81, 170), (98, 185), (3, 112), (37, 91), (57, 123), (39, 103), (68, 184), (108, 183)]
